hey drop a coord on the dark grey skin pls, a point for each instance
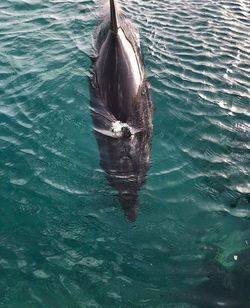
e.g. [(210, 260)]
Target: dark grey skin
[(119, 92)]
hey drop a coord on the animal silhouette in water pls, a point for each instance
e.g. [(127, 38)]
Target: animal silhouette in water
[(121, 107)]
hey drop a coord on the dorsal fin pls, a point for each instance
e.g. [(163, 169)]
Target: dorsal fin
[(114, 25)]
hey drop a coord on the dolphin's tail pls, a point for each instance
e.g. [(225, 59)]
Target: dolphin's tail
[(130, 205), (114, 22)]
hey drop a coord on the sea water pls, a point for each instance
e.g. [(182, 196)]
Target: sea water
[(64, 240)]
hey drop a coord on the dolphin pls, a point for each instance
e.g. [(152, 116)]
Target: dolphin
[(121, 106)]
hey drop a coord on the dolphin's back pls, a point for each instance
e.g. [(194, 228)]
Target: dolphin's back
[(118, 67), (121, 107)]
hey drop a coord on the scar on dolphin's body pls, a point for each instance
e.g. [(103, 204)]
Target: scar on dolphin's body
[(121, 106)]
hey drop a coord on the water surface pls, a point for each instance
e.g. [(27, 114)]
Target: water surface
[(64, 241)]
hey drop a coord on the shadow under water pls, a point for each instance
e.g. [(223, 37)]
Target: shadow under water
[(224, 286)]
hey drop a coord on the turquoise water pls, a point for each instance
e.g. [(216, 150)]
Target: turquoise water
[(64, 241)]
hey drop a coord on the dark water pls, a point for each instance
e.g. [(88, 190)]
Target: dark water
[(64, 241)]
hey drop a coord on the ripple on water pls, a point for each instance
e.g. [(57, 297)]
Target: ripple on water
[(63, 238)]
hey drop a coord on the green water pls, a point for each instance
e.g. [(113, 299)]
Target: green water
[(64, 241)]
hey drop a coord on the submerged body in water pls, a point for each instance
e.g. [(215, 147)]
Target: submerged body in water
[(121, 107)]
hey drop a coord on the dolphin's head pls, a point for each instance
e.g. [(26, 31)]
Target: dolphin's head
[(126, 132)]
